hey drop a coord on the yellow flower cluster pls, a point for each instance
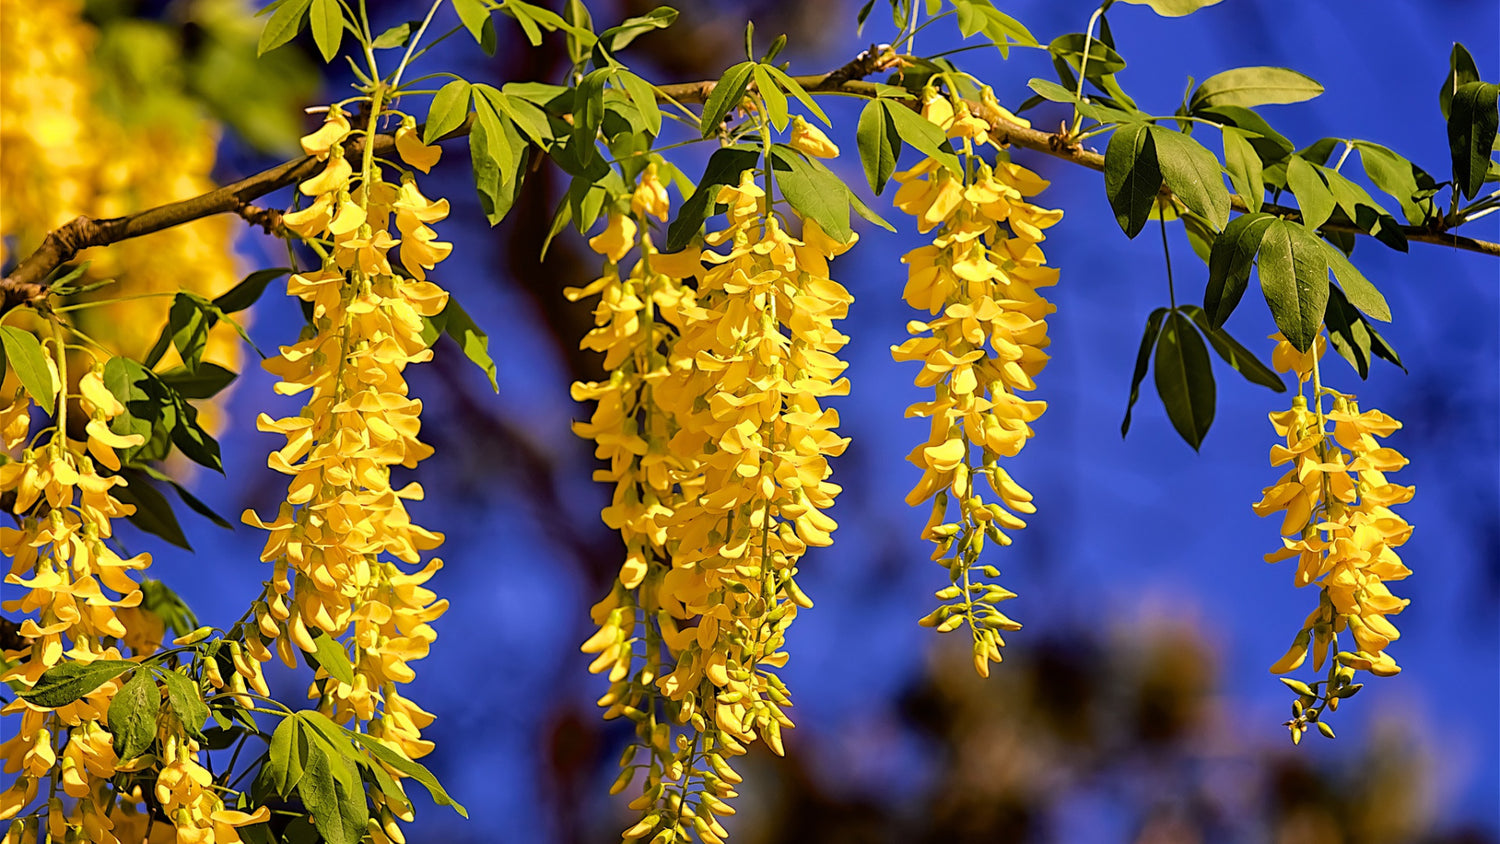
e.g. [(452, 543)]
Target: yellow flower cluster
[(74, 590), (64, 158), (718, 445), (1337, 523), (342, 520), (979, 279)]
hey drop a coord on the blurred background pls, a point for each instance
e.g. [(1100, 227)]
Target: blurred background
[(1135, 706)]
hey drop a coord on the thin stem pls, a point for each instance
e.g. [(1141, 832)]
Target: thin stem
[(1348, 148), (405, 60), (1083, 65), (1166, 252)]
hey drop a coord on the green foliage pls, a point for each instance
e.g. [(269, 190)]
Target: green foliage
[(23, 354)]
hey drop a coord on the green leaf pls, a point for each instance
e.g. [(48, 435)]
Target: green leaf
[(1313, 196), (725, 96), (1353, 337), (153, 514), (189, 437), (331, 658), (24, 354), (132, 715), (1185, 379), (189, 325), (1192, 173), (283, 25), (1362, 210), (65, 683), (813, 190), (1239, 358), (205, 383), (1050, 90), (1230, 262), (1102, 60), (411, 769), (527, 116), (488, 178), (169, 606), (1253, 86), (879, 145), (285, 759), (249, 290), (922, 134), (644, 96), (327, 27), (449, 109), (396, 36), (1174, 8), (619, 37), (1461, 71), (774, 97), (1357, 289), (1398, 177), (1132, 175), (474, 343), (1244, 166), (193, 504), (496, 147), (473, 14), (724, 168), (1294, 278), (330, 790), (186, 701), (1142, 363), (588, 115), (793, 87), (1472, 125)]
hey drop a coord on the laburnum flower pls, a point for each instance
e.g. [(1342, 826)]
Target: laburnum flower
[(810, 140), (340, 543), (980, 348), (1335, 501), (79, 604)]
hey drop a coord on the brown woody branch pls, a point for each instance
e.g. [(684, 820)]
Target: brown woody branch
[(27, 284)]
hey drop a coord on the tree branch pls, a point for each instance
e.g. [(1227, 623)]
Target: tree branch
[(27, 284)]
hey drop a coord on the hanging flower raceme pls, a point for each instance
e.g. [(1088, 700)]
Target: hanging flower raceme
[(77, 593), (339, 542), (1335, 502), (718, 447), (980, 350)]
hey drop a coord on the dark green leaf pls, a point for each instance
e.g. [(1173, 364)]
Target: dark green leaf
[(1229, 264), (205, 383), (1472, 125), (189, 325), (1102, 60), (1241, 359), (283, 25), (724, 168), (922, 134), (1185, 379), (814, 191), (588, 114), (1397, 177), (24, 355), (1192, 173), (411, 769), (619, 37), (286, 758), (1244, 166), (1461, 71), (190, 437), (879, 145), (132, 715), (1132, 176), (65, 683), (330, 790), (1313, 196), (1142, 363), (1294, 278), (168, 606), (1253, 86), (248, 291), (725, 96), (152, 512)]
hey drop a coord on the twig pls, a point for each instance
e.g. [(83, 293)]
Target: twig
[(27, 284)]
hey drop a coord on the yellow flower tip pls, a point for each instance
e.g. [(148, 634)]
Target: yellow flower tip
[(334, 129), (810, 140), (411, 149), (617, 238), (650, 197)]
